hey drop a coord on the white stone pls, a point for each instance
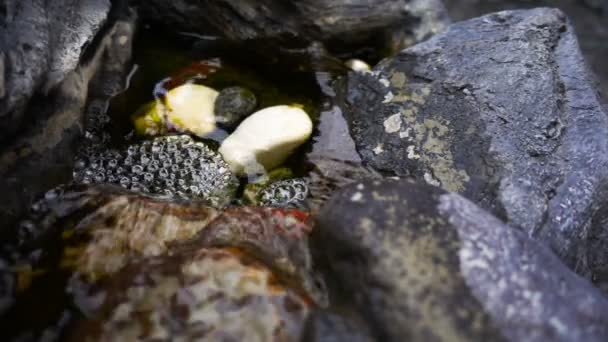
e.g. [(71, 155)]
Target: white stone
[(190, 107), (358, 65), (265, 139)]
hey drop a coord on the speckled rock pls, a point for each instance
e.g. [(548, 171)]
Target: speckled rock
[(421, 264), (503, 110), (210, 295), (288, 193), (347, 26), (175, 166)]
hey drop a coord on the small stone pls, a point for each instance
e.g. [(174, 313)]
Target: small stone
[(265, 139), (187, 108), (190, 108), (357, 65), (234, 104), (289, 193)]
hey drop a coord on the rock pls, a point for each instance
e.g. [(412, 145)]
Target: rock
[(190, 108), (174, 166), (347, 27), (82, 241), (329, 175), (587, 16), (186, 108), (265, 139), (213, 294), (503, 110), (278, 237), (358, 65), (289, 193), (38, 51), (325, 326), (421, 264), (233, 105), (42, 155)]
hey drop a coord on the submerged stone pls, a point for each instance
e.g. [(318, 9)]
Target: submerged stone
[(175, 166), (289, 193), (233, 105), (186, 108), (265, 139), (87, 246)]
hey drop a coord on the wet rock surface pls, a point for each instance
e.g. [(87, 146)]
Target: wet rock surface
[(589, 18), (458, 272), (213, 294), (344, 25), (234, 104), (41, 156), (101, 250), (38, 51), (289, 193), (503, 110)]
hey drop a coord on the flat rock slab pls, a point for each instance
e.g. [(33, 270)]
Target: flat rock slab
[(421, 264), (503, 110)]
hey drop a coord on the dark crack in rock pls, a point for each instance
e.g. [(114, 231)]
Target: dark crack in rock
[(176, 166), (421, 264), (503, 110), (346, 26)]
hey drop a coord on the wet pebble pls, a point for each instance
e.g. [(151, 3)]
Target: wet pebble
[(232, 105), (265, 139), (289, 193)]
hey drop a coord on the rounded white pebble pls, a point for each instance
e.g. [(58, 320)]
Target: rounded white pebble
[(265, 139), (357, 65), (190, 107)]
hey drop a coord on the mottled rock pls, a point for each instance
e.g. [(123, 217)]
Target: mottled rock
[(503, 110), (345, 25), (289, 193), (213, 294), (232, 105), (278, 237), (421, 264), (38, 51), (175, 166)]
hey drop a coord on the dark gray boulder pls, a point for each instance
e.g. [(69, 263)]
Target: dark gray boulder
[(503, 110), (347, 25), (42, 155), (41, 42), (421, 264)]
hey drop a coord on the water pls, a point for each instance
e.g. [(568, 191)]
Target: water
[(161, 61)]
